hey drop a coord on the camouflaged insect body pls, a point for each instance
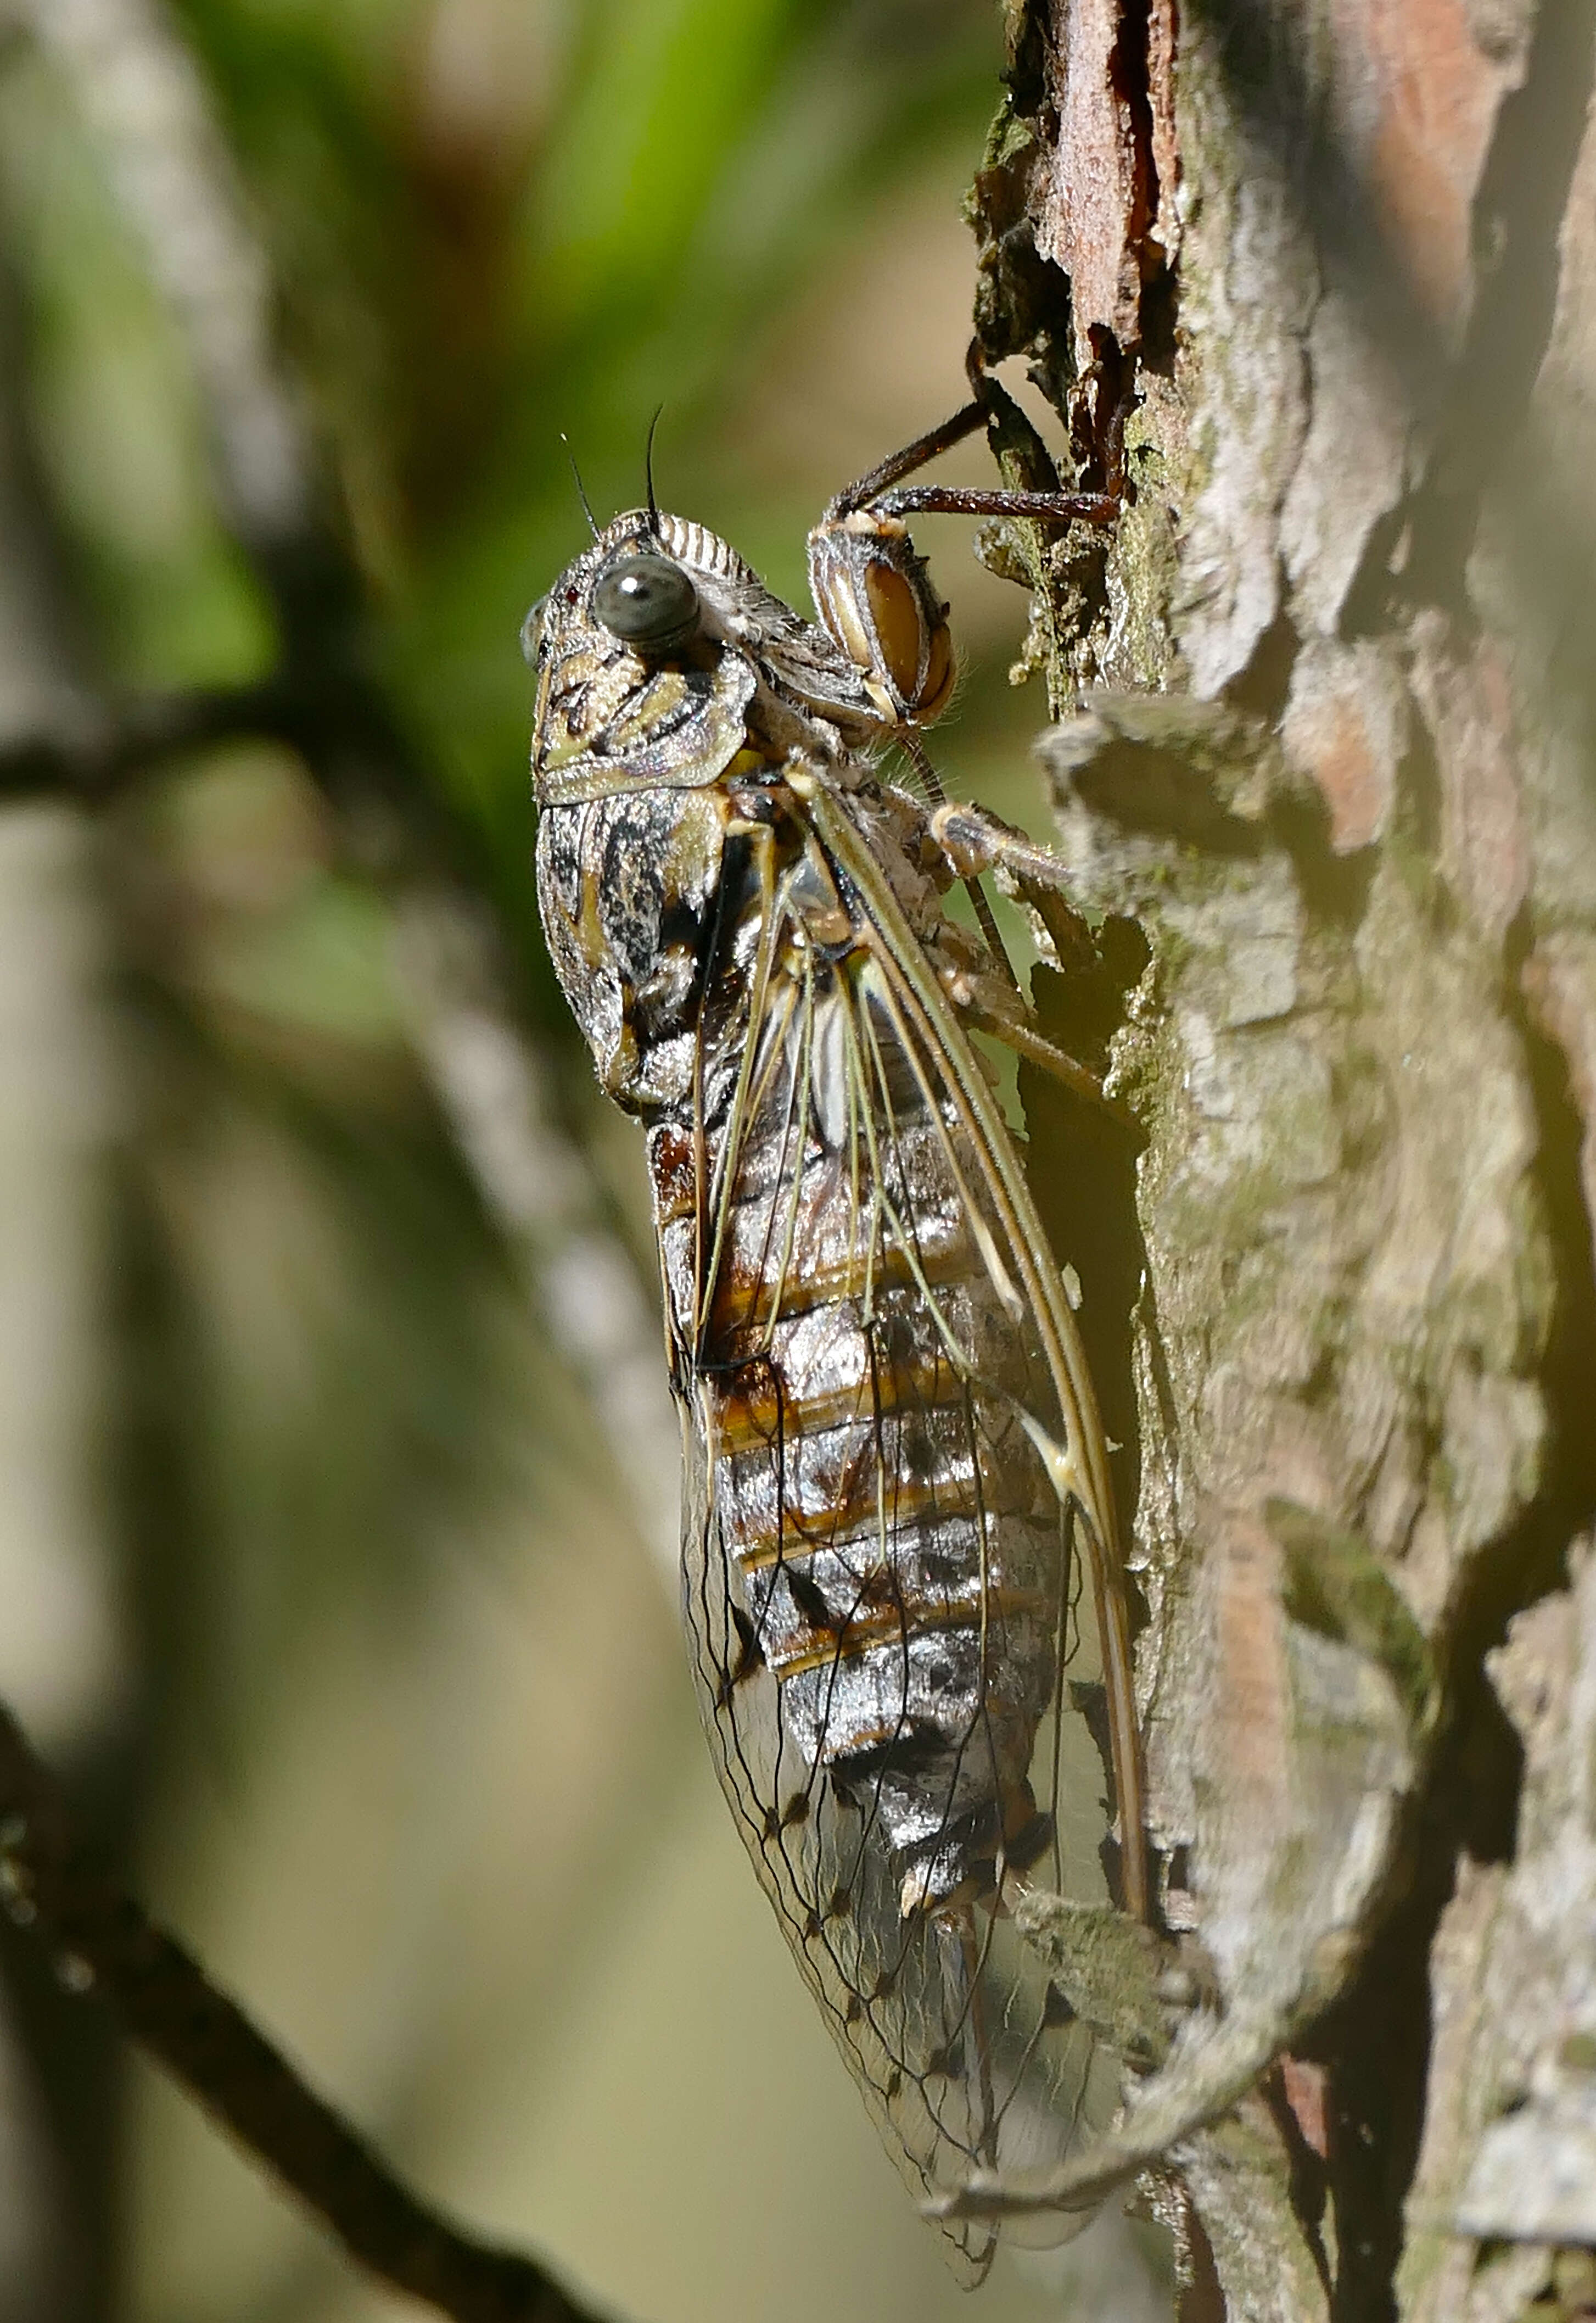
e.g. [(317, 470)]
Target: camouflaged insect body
[(883, 1578)]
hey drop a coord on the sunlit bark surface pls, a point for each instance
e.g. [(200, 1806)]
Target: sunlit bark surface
[(1322, 730)]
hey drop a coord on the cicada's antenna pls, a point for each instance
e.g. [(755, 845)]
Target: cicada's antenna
[(592, 522), (648, 469)]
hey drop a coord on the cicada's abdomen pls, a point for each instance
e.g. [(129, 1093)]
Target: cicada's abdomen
[(890, 1535), (893, 1541)]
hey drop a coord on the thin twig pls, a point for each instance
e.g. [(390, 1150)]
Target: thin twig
[(101, 1941), (146, 105)]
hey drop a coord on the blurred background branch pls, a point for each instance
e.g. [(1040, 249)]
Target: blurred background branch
[(100, 1943)]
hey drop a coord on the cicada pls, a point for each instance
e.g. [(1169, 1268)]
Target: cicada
[(900, 1572)]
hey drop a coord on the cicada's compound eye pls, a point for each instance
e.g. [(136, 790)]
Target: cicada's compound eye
[(532, 630), (648, 601)]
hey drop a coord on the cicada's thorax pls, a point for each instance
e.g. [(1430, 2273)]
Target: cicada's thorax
[(892, 1545)]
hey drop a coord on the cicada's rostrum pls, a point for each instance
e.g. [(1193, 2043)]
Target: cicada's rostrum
[(900, 1572)]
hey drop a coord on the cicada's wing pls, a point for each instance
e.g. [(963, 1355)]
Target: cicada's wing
[(947, 2023), (896, 1528)]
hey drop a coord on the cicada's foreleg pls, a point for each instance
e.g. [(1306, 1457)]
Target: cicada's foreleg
[(877, 494), (959, 499), (870, 584), (869, 488)]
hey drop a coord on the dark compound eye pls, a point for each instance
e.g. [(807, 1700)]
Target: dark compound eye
[(647, 600), (532, 631)]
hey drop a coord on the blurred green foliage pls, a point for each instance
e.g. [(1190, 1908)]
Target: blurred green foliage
[(401, 1736), (495, 225)]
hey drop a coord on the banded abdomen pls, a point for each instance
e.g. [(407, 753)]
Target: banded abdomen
[(892, 1545), (893, 1552)]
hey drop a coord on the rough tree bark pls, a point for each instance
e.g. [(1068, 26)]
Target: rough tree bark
[(1323, 714)]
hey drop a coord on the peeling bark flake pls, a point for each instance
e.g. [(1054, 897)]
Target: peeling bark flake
[(1419, 89), (1097, 213)]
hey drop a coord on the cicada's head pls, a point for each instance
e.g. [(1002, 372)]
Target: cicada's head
[(661, 655), (626, 675), (626, 585)]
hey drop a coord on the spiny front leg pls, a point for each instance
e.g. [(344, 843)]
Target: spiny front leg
[(870, 584)]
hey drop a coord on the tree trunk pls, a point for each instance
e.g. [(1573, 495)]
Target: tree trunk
[(1322, 709)]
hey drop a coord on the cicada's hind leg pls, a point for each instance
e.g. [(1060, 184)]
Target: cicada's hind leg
[(973, 842)]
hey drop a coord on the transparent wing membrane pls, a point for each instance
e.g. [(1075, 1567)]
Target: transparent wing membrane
[(882, 1581)]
